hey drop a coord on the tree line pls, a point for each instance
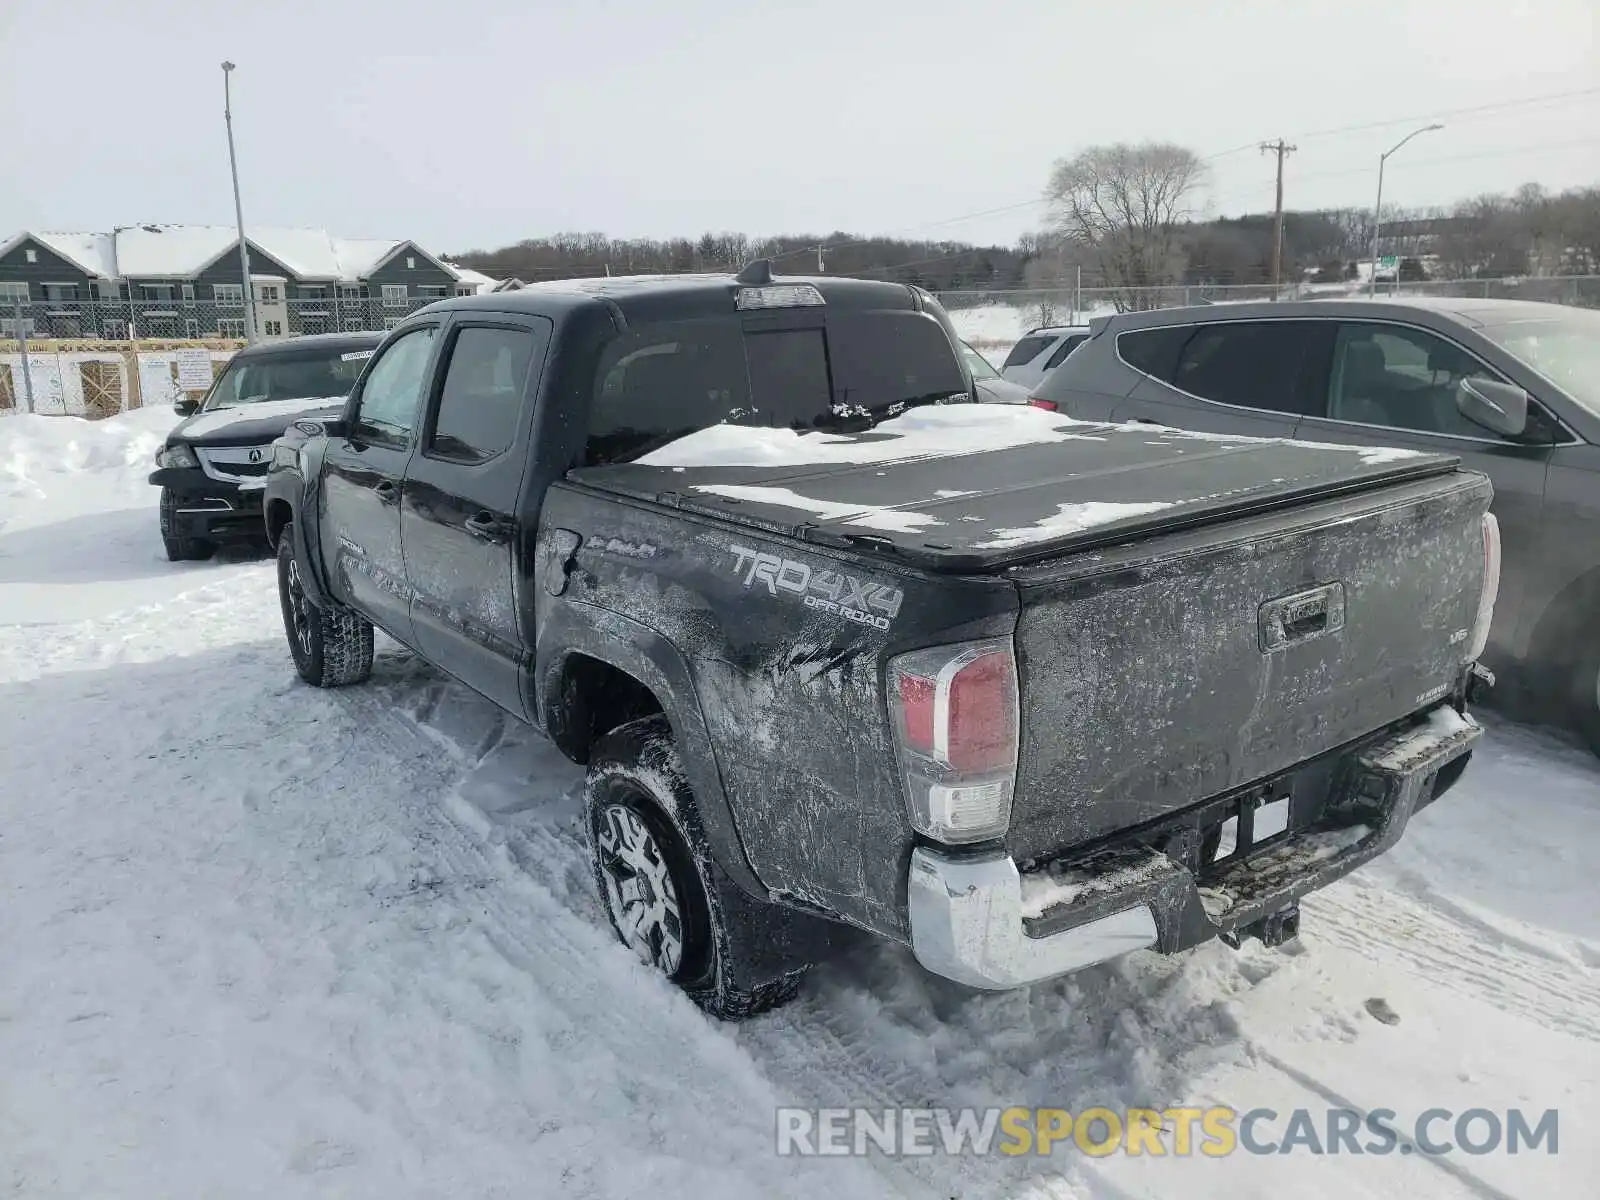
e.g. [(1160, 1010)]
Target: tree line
[(1123, 217)]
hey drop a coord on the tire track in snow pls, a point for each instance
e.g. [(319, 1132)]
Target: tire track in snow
[(1439, 943), (463, 841)]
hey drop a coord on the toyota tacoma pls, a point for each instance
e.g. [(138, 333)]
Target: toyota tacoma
[(840, 648)]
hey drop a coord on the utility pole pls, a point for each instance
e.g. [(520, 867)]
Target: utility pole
[(1282, 149), (250, 330)]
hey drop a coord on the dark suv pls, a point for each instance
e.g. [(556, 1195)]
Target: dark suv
[(214, 464), (1510, 387)]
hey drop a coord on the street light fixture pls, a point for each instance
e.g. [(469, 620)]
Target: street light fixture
[(250, 330), (1377, 210)]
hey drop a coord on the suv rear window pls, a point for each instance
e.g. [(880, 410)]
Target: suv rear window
[(1028, 349), (1154, 351), (666, 380), (1066, 348)]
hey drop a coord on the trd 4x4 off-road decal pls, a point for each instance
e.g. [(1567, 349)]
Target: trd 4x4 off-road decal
[(858, 600)]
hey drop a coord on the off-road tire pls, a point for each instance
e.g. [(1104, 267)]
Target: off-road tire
[(180, 549), (636, 769), (331, 646)]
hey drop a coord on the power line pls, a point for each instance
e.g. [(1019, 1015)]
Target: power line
[(826, 247), (1412, 164), (1498, 106), (1452, 112)]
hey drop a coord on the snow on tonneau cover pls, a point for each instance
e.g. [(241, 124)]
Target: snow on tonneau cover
[(1196, 612)]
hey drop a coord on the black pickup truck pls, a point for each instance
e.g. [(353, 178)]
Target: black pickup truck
[(840, 648)]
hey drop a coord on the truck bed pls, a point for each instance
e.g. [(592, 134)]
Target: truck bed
[(990, 509)]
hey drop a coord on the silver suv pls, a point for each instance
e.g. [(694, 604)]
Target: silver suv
[(1510, 387), (1041, 351)]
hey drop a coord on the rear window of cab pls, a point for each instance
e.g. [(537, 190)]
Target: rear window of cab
[(664, 380)]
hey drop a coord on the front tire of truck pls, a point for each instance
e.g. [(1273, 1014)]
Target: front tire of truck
[(332, 646), (670, 904)]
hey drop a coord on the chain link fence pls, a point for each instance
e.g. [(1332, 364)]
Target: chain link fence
[(174, 316), (1072, 305), (96, 357)]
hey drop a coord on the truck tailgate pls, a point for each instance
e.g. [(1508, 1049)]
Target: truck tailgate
[(1158, 674)]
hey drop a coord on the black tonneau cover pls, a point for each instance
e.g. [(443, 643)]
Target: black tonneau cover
[(1002, 507)]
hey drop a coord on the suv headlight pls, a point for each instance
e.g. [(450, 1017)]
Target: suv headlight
[(176, 455)]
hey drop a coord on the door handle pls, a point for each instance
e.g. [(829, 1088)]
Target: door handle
[(385, 489), (487, 526)]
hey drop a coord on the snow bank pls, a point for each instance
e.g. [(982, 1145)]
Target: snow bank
[(929, 432), (42, 456)]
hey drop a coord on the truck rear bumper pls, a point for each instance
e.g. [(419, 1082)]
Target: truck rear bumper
[(977, 919)]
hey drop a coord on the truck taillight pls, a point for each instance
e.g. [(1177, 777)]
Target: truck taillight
[(955, 714), (1491, 588)]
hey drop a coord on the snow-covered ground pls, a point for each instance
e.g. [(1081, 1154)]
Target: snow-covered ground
[(260, 940)]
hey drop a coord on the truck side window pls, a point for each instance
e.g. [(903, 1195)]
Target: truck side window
[(484, 386), (663, 381), (1402, 378), (392, 392)]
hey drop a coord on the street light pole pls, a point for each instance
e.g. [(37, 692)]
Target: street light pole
[(1377, 210), (250, 330)]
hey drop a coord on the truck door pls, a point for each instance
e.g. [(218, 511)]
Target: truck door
[(459, 518), (361, 479)]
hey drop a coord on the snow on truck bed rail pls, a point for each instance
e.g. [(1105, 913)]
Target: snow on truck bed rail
[(931, 432), (936, 431)]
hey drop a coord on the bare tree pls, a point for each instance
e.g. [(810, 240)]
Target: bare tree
[(1127, 205)]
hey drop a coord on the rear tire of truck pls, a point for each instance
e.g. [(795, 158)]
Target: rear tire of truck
[(670, 904), (180, 549), (331, 646)]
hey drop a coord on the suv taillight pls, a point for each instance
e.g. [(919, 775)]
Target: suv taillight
[(1491, 587), (954, 711), (1040, 402)]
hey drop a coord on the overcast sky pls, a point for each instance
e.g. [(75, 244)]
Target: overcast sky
[(473, 123)]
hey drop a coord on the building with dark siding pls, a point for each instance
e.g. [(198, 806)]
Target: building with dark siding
[(185, 281)]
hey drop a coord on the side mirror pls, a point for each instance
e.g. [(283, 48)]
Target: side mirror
[(186, 407), (1498, 407)]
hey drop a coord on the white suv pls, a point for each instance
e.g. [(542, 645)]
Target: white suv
[(1040, 352)]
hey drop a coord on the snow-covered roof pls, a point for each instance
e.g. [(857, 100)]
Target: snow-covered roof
[(480, 282), (156, 250), (91, 251), (177, 251)]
